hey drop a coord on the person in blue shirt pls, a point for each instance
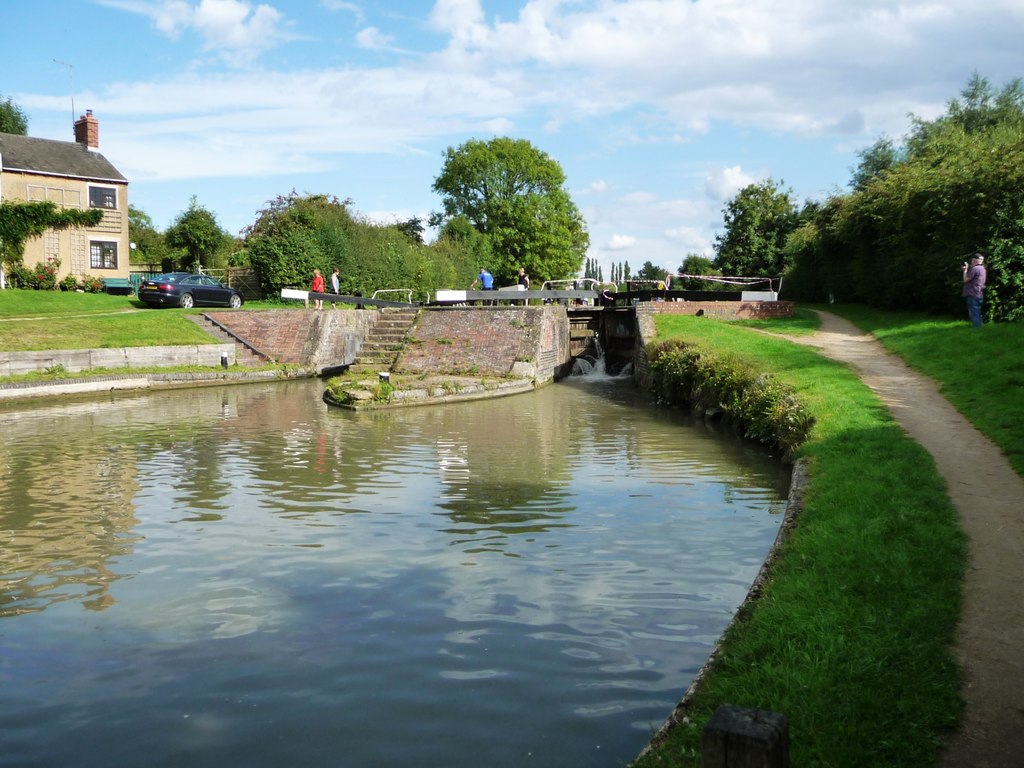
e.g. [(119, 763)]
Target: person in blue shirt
[(485, 279)]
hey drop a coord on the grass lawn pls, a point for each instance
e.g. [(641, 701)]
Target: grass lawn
[(980, 371), (852, 636), (39, 320)]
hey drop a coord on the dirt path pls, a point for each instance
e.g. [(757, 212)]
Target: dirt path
[(989, 497)]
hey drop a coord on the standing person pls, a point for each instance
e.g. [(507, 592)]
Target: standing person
[(485, 279), (335, 286), (318, 287), (524, 280), (974, 287)]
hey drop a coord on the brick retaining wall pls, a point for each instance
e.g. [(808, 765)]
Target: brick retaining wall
[(301, 336), (488, 341)]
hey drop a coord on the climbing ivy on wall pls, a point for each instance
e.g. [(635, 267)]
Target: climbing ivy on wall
[(20, 221)]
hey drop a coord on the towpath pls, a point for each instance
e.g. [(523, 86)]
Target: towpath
[(989, 497)]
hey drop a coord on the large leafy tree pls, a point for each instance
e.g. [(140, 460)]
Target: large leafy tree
[(12, 118), (757, 222), (514, 194), (196, 233)]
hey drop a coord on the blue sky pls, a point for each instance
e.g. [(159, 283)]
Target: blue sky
[(658, 111)]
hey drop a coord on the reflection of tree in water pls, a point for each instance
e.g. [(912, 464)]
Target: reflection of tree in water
[(65, 511)]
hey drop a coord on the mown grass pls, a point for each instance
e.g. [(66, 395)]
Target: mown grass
[(39, 320), (852, 636), (980, 371)]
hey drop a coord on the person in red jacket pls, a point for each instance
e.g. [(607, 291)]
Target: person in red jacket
[(318, 287)]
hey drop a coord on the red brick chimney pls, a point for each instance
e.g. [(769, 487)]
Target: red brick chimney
[(87, 130)]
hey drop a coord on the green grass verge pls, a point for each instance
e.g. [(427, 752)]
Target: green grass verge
[(852, 636), (138, 329), (40, 320), (980, 371)]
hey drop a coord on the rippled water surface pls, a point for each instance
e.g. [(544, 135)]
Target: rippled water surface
[(242, 577)]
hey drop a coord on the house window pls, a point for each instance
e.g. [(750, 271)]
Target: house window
[(103, 197), (102, 255)]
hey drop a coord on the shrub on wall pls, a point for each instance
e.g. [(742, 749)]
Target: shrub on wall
[(765, 408)]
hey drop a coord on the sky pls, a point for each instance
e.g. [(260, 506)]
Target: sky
[(658, 111)]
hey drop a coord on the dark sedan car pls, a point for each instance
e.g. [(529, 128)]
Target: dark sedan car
[(183, 289)]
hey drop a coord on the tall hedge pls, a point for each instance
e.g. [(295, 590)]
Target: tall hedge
[(898, 240)]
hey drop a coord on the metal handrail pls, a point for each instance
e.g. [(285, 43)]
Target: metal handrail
[(406, 291)]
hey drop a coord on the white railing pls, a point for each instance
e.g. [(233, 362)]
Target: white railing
[(407, 292)]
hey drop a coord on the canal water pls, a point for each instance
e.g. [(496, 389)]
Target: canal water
[(241, 576)]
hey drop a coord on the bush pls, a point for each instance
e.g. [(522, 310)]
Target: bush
[(20, 276), (765, 408), (44, 275), (69, 283), (91, 284)]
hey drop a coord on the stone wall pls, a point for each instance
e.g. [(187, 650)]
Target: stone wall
[(526, 341), (73, 360), (324, 338)]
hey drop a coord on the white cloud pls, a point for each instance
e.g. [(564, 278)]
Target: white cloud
[(621, 243), (235, 30), (372, 39), (723, 183)]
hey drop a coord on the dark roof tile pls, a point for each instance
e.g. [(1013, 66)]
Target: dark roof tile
[(55, 158)]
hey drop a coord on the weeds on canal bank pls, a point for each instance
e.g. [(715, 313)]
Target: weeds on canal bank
[(759, 404), (852, 635)]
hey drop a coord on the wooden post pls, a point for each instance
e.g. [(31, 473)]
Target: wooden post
[(738, 737)]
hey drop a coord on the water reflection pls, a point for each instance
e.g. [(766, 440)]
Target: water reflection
[(523, 578)]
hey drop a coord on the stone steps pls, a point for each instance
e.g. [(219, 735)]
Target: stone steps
[(384, 341)]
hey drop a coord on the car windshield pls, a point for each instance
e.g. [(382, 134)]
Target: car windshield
[(171, 278)]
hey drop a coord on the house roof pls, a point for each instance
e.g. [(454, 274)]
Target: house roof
[(55, 158)]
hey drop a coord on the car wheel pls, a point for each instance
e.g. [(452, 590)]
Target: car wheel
[(236, 301), (186, 301)]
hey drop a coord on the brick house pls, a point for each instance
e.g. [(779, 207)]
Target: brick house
[(72, 174)]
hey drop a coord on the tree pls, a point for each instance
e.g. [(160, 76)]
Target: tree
[(412, 228), (149, 246), (514, 195), (880, 157), (694, 264), (197, 233), (650, 272), (12, 118), (757, 222)]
